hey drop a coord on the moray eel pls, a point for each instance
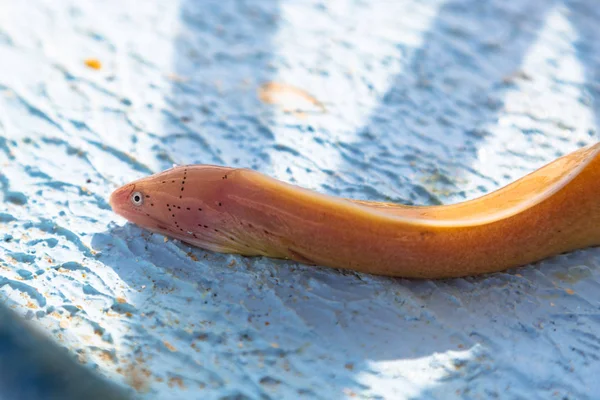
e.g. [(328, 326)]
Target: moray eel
[(553, 210)]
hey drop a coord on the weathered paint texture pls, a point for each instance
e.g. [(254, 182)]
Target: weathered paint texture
[(418, 102)]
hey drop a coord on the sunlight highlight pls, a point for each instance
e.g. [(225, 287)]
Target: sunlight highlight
[(409, 378), (544, 111)]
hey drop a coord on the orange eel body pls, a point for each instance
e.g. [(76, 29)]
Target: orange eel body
[(555, 209)]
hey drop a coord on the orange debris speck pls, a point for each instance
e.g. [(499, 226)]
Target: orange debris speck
[(93, 63), (177, 78), (289, 97), (169, 346), (570, 291)]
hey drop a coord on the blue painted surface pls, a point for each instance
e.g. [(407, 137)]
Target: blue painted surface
[(426, 102)]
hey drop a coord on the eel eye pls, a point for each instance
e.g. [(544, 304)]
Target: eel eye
[(137, 199)]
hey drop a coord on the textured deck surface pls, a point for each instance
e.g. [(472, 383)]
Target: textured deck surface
[(421, 102)]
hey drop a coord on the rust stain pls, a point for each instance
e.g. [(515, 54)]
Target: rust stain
[(107, 356), (136, 375), (136, 378), (573, 275), (176, 381)]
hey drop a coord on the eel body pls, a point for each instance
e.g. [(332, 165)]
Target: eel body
[(553, 210)]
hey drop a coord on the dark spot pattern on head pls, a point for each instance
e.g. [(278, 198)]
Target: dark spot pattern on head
[(183, 182), (220, 204)]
